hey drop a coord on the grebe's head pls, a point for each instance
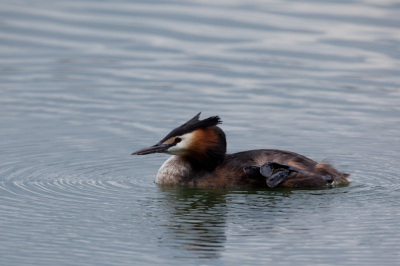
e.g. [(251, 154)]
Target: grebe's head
[(198, 139)]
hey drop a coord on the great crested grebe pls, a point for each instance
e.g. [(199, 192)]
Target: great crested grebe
[(200, 160)]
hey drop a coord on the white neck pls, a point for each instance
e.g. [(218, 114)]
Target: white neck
[(173, 171)]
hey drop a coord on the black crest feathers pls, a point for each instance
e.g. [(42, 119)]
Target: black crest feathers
[(192, 125)]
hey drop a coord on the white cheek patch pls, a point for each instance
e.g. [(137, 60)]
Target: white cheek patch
[(182, 147), (174, 150)]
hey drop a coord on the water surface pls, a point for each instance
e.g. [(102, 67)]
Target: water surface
[(83, 84)]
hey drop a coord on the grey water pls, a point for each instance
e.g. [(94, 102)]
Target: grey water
[(83, 84)]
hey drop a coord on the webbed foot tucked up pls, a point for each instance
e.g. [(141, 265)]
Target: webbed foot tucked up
[(274, 173)]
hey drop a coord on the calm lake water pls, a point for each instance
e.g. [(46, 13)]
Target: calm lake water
[(83, 84)]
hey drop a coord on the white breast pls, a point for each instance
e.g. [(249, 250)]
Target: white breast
[(172, 171)]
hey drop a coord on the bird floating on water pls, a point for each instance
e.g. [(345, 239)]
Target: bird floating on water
[(200, 160)]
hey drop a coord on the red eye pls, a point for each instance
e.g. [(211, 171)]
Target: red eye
[(177, 140)]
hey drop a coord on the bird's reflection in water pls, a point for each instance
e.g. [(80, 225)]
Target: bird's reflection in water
[(196, 220)]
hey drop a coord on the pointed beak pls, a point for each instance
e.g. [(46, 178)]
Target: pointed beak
[(158, 148)]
